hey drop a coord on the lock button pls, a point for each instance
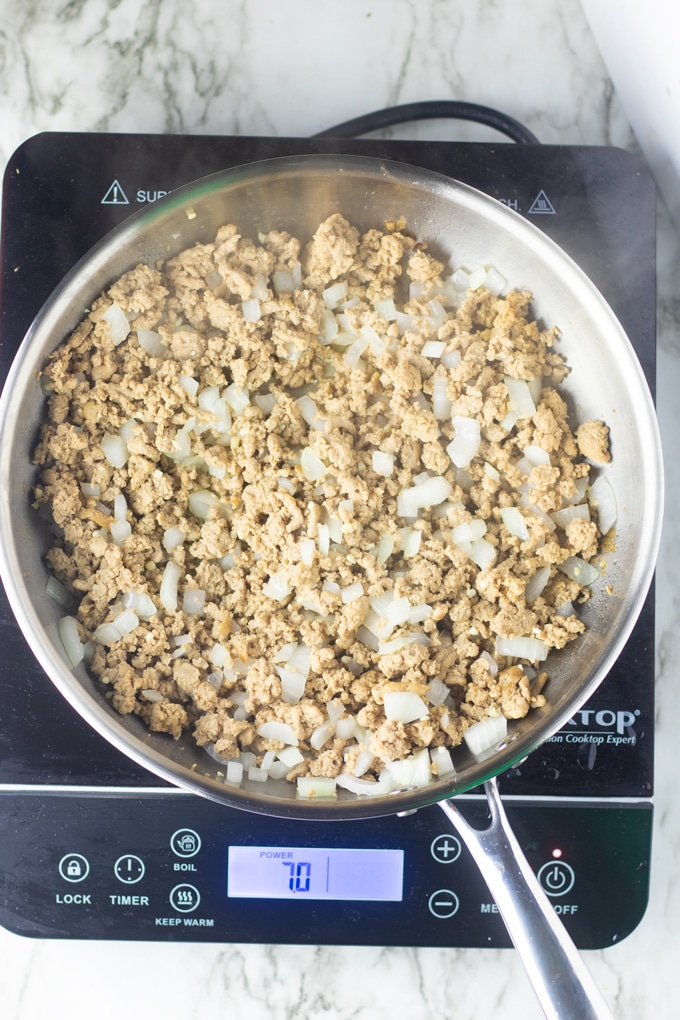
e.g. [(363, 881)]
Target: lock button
[(74, 867)]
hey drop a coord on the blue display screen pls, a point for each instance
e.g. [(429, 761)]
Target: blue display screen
[(318, 873)]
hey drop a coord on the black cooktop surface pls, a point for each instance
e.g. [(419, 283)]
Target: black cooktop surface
[(62, 192)]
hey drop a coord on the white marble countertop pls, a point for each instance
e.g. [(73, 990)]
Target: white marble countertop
[(266, 67)]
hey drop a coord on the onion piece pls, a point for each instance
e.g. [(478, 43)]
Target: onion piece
[(151, 342), (321, 735), (251, 310), (279, 731), (404, 706), (293, 684), (579, 570), (433, 348), (168, 589), (352, 592), (441, 759), (70, 638), (529, 648), (563, 518), (313, 468), (465, 443), (385, 549), (602, 498), (469, 531), (119, 327), (411, 771), (193, 601), (438, 692), (290, 756), (315, 787), (363, 787), (441, 403), (521, 402), (114, 449), (202, 501), (515, 523), (383, 463), (536, 584), (120, 532), (172, 538), (429, 493), (238, 398), (57, 591), (234, 773), (482, 735), (278, 586), (335, 294)]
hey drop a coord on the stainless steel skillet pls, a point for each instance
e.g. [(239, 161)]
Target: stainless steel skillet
[(606, 382)]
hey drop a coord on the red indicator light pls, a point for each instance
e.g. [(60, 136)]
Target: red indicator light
[(557, 853)]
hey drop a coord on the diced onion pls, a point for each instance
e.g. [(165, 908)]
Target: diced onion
[(321, 735), (411, 771), (283, 281), (433, 349), (277, 587), (120, 531), (315, 787), (237, 397), (352, 592), (70, 638), (313, 468), (280, 731), (521, 402), (579, 570), (119, 327), (536, 584), (514, 522), (602, 498), (441, 403), (234, 773), (56, 590), (323, 539), (563, 518), (251, 310), (307, 550), (438, 692), (482, 735), (290, 756), (385, 549), (142, 604), (202, 501), (193, 602), (428, 493), (383, 463), (385, 309), (292, 684), (465, 443), (168, 589), (469, 531), (151, 342), (441, 759), (173, 537), (529, 648), (114, 449), (335, 294), (363, 787)]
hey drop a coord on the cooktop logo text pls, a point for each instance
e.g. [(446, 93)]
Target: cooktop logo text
[(606, 726)]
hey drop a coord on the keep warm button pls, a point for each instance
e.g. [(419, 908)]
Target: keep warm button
[(556, 878)]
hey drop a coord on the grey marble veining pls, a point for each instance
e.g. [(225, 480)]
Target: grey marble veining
[(268, 67)]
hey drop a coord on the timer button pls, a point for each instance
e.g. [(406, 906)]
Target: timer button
[(443, 903), (185, 843), (556, 878), (445, 848), (129, 869)]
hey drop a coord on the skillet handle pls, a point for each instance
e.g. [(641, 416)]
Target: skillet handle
[(559, 977)]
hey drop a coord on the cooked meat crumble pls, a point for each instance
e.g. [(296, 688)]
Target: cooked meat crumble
[(314, 487)]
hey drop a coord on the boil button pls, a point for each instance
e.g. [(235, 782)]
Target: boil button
[(556, 878)]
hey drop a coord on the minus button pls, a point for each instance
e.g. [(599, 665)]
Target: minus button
[(443, 903)]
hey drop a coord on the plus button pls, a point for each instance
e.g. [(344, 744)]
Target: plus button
[(445, 848)]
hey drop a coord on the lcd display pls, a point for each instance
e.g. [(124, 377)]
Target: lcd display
[(318, 873)]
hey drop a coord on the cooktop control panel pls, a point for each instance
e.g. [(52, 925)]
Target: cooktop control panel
[(168, 866)]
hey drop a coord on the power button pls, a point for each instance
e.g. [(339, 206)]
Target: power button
[(556, 878)]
